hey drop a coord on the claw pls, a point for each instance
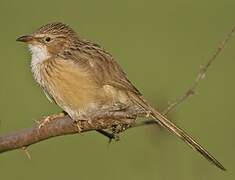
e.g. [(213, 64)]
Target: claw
[(78, 125), (44, 122), (48, 119)]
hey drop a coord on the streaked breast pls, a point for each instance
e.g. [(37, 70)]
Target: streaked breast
[(71, 86)]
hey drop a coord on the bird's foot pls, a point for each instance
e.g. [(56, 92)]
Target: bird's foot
[(46, 120), (78, 124)]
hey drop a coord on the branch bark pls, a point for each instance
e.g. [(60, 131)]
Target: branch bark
[(104, 119)]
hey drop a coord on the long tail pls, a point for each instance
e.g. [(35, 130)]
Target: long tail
[(162, 120)]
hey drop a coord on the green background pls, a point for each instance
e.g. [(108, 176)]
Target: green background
[(161, 45)]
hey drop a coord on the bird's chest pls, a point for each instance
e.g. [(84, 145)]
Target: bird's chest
[(70, 86)]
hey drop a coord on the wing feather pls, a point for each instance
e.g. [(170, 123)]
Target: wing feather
[(100, 64)]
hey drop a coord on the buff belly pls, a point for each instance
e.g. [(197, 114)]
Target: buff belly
[(72, 88)]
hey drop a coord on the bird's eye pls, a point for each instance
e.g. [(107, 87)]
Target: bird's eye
[(47, 39)]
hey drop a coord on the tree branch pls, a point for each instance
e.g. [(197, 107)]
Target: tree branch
[(104, 119)]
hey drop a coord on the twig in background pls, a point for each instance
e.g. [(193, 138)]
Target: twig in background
[(201, 74)]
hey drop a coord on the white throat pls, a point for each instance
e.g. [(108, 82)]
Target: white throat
[(39, 54)]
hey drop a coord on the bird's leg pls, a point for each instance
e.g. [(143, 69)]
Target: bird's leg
[(50, 118), (79, 119)]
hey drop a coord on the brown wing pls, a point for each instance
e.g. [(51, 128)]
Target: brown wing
[(101, 64)]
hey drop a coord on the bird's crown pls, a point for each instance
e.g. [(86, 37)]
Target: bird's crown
[(56, 28)]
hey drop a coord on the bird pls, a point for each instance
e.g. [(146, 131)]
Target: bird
[(81, 76)]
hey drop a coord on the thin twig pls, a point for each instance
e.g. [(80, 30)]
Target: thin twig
[(201, 74), (109, 135), (24, 148)]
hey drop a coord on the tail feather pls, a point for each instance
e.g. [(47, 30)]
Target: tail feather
[(163, 121)]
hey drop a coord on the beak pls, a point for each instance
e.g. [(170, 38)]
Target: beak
[(26, 38)]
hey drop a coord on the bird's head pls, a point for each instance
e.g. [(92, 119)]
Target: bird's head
[(49, 39)]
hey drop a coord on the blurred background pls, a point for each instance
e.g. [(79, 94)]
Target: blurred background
[(161, 45)]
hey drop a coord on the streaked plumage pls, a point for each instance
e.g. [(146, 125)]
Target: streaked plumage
[(80, 76)]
